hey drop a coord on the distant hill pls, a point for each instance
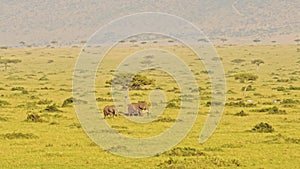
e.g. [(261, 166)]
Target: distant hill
[(69, 22)]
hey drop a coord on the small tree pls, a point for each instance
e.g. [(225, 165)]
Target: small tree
[(257, 62), (297, 41), (128, 80), (256, 40), (9, 61), (133, 41), (83, 42), (22, 43), (246, 78), (238, 61), (202, 40), (54, 42), (223, 40), (148, 60)]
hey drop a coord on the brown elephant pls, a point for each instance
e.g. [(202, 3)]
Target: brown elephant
[(138, 108), (110, 110)]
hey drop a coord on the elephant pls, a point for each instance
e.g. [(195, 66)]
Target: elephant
[(138, 108), (110, 110)]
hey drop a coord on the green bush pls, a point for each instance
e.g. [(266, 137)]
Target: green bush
[(231, 92), (128, 80), (3, 103), (184, 151), (290, 101), (294, 88), (15, 135), (240, 104), (275, 110), (3, 119), (249, 88), (17, 89), (67, 102), (43, 78), (25, 91), (33, 117), (52, 108), (263, 128), (280, 88), (41, 102), (241, 113), (100, 99), (165, 119), (283, 80), (172, 105)]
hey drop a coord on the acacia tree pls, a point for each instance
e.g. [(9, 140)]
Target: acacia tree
[(54, 42), (128, 80), (256, 41), (246, 78), (223, 40), (22, 43), (148, 60), (257, 62), (238, 61), (5, 62)]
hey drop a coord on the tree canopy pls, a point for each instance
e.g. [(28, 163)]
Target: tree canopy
[(9, 61), (245, 77), (257, 62), (128, 80)]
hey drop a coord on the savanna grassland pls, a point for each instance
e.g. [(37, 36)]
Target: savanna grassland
[(39, 126)]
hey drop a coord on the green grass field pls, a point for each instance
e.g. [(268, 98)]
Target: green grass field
[(43, 81)]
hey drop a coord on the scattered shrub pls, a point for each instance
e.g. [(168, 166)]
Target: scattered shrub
[(100, 99), (33, 117), (3, 103), (46, 88), (241, 113), (172, 105), (165, 119), (53, 123), (52, 108), (231, 92), (67, 102), (41, 102), (279, 138), (15, 135), (209, 103), (213, 149), (249, 88), (17, 89), (3, 119), (75, 125), (43, 78), (282, 80), (272, 110), (240, 104), (294, 88), (263, 128), (25, 92), (290, 101), (184, 151), (280, 88), (275, 110)]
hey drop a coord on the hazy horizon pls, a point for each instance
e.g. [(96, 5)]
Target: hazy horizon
[(38, 23)]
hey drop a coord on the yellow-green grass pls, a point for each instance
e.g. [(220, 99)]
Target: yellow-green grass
[(59, 141)]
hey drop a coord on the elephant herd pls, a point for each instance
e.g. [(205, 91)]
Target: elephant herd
[(133, 108)]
